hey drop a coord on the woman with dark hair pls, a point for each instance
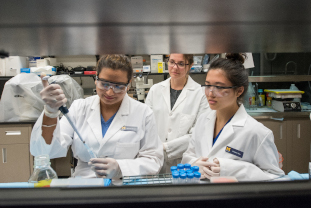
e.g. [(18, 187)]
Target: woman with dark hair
[(120, 131), (227, 141), (176, 103)]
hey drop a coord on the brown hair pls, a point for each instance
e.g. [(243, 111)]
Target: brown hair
[(188, 59), (115, 62), (234, 70)]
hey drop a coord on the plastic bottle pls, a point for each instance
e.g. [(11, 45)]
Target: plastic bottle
[(249, 101), (183, 178), (42, 169), (269, 102), (197, 177), (190, 177), (175, 177), (261, 98), (173, 168), (195, 168), (187, 166), (180, 166)]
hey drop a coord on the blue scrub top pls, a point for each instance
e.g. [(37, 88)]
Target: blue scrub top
[(215, 139), (105, 125)]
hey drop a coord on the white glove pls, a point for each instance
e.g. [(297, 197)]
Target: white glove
[(105, 167), (54, 97), (213, 170), (204, 166)]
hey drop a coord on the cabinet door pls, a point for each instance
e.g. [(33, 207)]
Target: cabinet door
[(299, 147), (280, 138), (14, 163)]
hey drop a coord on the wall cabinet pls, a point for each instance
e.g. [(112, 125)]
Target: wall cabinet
[(293, 140)]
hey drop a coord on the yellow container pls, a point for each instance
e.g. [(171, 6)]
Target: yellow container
[(160, 67)]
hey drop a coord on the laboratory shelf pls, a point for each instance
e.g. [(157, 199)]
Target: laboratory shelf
[(280, 78)]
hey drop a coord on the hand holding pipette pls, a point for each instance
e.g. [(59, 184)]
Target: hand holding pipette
[(55, 100)]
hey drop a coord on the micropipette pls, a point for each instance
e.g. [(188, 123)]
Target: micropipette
[(65, 111)]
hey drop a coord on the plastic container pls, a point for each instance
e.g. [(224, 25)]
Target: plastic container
[(197, 177), (190, 177), (195, 168), (261, 98), (293, 87), (182, 171), (250, 101), (175, 177), (187, 166), (173, 168), (180, 166), (189, 171), (42, 170), (269, 102), (183, 178)]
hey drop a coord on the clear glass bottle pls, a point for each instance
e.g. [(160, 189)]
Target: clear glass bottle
[(42, 169), (269, 102), (175, 177), (183, 178), (190, 177)]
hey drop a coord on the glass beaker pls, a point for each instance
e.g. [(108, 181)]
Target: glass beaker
[(42, 169)]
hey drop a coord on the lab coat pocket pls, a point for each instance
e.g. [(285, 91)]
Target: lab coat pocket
[(186, 122), (126, 150)]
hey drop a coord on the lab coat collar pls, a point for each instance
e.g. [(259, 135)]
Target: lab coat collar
[(190, 85), (238, 120), (119, 120)]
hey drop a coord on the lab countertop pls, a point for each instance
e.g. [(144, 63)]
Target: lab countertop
[(268, 113)]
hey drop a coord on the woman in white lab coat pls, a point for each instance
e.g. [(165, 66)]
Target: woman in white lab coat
[(227, 141), (120, 131), (176, 103)]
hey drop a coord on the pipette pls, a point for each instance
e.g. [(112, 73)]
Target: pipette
[(65, 112)]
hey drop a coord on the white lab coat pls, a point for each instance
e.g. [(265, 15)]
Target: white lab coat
[(137, 153), (243, 133), (175, 126)]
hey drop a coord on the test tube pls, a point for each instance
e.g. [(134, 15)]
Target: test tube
[(187, 166), (180, 167), (195, 168), (190, 177), (175, 177), (173, 168), (182, 177), (197, 176)]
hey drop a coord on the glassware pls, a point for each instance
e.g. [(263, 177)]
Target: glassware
[(42, 170)]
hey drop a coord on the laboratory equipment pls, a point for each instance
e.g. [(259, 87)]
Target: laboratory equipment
[(137, 63), (21, 100), (195, 168), (250, 101), (190, 177), (42, 169), (261, 98), (189, 171), (269, 102), (141, 86), (173, 168), (183, 178), (285, 106), (180, 167), (197, 177), (154, 59), (65, 112), (13, 65), (187, 166), (175, 177)]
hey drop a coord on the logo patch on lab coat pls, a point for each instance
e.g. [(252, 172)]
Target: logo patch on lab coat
[(234, 151), (129, 128)]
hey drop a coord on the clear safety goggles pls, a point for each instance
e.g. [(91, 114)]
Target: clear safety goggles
[(172, 63), (106, 85), (218, 91)]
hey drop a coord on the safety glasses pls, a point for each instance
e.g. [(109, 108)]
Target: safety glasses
[(172, 63), (106, 85), (218, 91)]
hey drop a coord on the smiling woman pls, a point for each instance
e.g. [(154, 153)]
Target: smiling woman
[(119, 130)]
